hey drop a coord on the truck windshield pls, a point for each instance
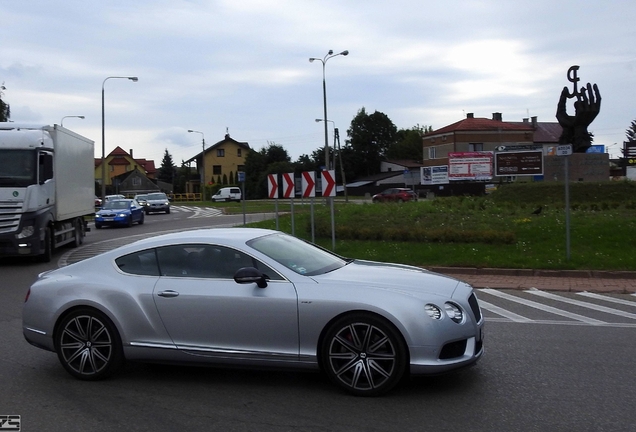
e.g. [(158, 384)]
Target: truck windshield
[(17, 167)]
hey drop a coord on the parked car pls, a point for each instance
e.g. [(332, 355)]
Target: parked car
[(395, 195), (256, 298), (119, 212), (157, 202), (227, 194)]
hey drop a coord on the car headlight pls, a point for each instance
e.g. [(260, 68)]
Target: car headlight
[(433, 311), (454, 312), (122, 215), (27, 231)]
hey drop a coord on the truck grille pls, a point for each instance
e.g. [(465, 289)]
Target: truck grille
[(9, 216)]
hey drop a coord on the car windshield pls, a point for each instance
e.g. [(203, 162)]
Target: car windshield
[(116, 205), (297, 255), (156, 196)]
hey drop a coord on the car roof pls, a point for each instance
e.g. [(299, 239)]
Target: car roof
[(229, 236)]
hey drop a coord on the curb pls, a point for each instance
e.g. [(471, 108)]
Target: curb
[(596, 274)]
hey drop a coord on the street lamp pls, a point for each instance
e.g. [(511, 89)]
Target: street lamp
[(62, 121), (323, 60), (133, 79), (202, 162)]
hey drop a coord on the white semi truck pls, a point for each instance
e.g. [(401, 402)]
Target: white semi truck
[(47, 188)]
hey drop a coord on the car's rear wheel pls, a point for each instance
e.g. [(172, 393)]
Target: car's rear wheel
[(88, 345), (364, 354)]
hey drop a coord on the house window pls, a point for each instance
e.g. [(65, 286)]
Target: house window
[(136, 181), (431, 153), (476, 147), (238, 152), (220, 152), (216, 169)]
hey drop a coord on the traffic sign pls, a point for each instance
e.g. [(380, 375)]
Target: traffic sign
[(564, 150), (309, 184), (272, 186), (328, 183), (288, 185)]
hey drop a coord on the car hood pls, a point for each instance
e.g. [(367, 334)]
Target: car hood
[(394, 277), (111, 211)]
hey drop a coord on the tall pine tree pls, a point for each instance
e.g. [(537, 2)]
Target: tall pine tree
[(167, 169)]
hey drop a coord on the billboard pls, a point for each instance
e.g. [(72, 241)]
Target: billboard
[(434, 175), (527, 163), (470, 165)]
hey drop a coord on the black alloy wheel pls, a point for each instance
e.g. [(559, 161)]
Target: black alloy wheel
[(88, 345), (364, 354)]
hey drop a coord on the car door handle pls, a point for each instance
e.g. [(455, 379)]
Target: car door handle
[(168, 293)]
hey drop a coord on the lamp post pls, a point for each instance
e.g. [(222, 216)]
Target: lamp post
[(133, 79), (323, 60), (202, 162), (62, 121)]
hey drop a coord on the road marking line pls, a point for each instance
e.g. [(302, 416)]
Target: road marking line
[(607, 298), (503, 312), (542, 307), (582, 304)]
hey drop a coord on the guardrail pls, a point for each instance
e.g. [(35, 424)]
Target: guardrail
[(185, 197)]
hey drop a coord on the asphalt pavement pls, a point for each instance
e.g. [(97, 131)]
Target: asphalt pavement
[(550, 280)]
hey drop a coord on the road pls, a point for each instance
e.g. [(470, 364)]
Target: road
[(560, 363)]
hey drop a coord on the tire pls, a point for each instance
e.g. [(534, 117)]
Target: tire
[(141, 221), (98, 226), (48, 247), (129, 223), (364, 355), (79, 234), (88, 345), (168, 211)]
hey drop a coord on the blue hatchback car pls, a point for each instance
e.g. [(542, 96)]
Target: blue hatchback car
[(120, 212)]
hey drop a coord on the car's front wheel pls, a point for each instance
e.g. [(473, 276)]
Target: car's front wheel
[(364, 354), (88, 345)]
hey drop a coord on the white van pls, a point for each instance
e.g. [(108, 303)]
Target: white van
[(227, 194)]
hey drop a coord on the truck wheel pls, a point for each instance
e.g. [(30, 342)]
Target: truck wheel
[(48, 247), (79, 234)]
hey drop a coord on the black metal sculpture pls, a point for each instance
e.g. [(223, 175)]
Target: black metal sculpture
[(586, 108)]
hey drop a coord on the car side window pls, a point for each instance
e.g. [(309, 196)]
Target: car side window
[(207, 261), (139, 263)]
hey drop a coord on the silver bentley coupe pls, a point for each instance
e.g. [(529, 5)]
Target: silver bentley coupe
[(253, 298)]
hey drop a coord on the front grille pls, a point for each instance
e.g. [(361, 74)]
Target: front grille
[(474, 306), (453, 350)]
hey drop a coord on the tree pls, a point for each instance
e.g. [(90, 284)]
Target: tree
[(631, 132), (167, 170), (370, 137), (409, 143), (257, 166), (5, 111)]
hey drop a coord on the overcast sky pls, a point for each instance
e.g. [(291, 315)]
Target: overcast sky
[(242, 65)]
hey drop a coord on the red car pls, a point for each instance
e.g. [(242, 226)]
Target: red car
[(395, 195)]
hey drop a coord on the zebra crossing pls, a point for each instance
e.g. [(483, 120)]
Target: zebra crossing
[(537, 306), (199, 212)]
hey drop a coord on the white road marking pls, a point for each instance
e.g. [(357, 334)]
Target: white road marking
[(582, 304)]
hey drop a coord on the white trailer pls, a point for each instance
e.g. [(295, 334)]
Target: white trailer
[(47, 188)]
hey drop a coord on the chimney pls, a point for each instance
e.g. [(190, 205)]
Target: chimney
[(470, 115), (131, 153), (497, 116), (534, 121), (526, 120)]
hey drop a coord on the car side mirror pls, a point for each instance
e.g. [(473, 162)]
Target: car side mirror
[(247, 275)]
